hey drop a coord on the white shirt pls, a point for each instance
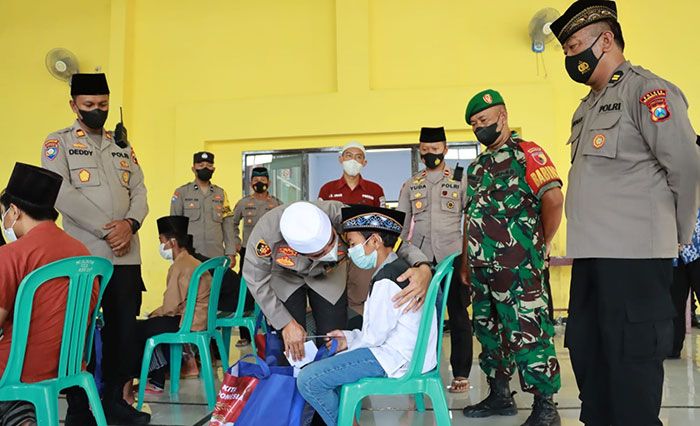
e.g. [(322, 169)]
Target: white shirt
[(388, 332)]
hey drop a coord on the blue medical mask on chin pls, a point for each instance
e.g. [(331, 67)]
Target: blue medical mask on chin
[(9, 232), (362, 260)]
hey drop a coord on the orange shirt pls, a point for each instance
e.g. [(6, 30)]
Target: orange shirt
[(44, 244)]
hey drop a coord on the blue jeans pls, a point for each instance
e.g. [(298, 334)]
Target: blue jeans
[(320, 382)]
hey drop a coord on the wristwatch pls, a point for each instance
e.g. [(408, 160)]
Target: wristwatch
[(135, 225)]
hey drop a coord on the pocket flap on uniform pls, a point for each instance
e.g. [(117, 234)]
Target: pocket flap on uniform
[(606, 121), (645, 310)]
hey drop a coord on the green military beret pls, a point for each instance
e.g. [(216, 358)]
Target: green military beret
[(482, 101)]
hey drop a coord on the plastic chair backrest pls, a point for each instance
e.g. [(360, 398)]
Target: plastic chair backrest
[(79, 322), (443, 271), (219, 265)]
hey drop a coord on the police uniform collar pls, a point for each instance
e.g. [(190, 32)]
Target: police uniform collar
[(211, 186)]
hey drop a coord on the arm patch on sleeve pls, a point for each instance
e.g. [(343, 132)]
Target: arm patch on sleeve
[(657, 104), (539, 169)]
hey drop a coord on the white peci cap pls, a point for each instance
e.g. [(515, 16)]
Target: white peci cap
[(352, 144), (305, 227)]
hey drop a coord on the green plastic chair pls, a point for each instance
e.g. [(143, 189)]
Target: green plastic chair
[(413, 381), (76, 341), (201, 339), (226, 322)]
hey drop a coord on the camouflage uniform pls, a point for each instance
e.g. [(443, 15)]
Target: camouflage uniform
[(506, 249)]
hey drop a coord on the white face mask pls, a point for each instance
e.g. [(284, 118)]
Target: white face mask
[(331, 256), (9, 232), (166, 254), (352, 167)]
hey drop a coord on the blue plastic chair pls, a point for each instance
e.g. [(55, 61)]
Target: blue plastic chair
[(237, 319), (413, 382), (76, 341), (201, 339)]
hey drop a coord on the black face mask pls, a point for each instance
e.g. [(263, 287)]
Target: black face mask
[(204, 174), (432, 161), (488, 135), (95, 118), (259, 187), (580, 67)]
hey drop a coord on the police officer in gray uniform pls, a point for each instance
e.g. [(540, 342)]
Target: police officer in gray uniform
[(632, 198), (207, 207), (435, 199), (295, 253), (103, 203), (251, 208)]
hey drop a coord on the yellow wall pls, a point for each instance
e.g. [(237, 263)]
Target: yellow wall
[(235, 76)]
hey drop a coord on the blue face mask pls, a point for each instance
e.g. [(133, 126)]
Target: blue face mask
[(362, 260)]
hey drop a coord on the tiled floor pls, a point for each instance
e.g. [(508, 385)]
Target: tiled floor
[(681, 403)]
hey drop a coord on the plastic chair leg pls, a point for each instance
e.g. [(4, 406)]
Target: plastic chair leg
[(348, 407), (175, 364), (223, 350), (145, 364), (358, 411), (420, 402), (436, 391), (226, 334), (48, 414), (94, 400), (207, 372), (253, 347)]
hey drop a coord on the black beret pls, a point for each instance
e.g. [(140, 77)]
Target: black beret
[(88, 84), (580, 14), (33, 185)]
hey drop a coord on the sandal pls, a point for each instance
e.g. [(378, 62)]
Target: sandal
[(242, 343), (459, 385)]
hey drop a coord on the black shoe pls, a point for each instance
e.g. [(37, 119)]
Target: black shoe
[(544, 413), (500, 402), (80, 419), (120, 413), (78, 413)]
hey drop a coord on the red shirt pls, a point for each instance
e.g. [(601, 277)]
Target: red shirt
[(44, 244), (366, 192)]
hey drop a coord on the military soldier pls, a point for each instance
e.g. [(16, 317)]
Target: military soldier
[(295, 254), (514, 207), (103, 203), (632, 198), (434, 199), (207, 207), (250, 209)]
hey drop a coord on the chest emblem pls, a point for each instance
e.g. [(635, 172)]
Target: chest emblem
[(287, 251), (598, 141), (84, 176), (285, 261), (125, 178)]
